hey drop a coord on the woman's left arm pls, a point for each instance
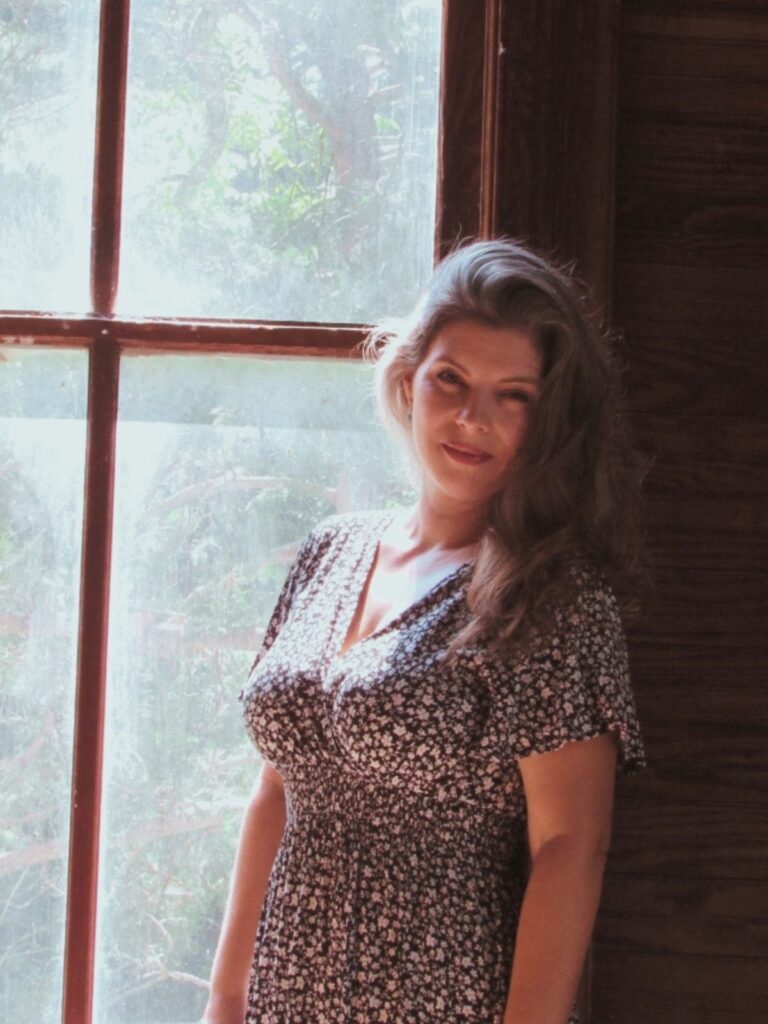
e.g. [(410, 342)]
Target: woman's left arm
[(569, 796)]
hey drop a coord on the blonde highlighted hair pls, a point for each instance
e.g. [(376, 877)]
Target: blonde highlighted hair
[(573, 490)]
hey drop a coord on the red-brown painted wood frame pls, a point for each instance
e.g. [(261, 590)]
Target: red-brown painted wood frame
[(464, 85), (103, 383), (178, 335), (108, 156), (90, 693)]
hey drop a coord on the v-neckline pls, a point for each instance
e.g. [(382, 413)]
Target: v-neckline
[(368, 561)]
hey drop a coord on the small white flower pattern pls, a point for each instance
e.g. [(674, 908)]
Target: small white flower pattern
[(396, 890)]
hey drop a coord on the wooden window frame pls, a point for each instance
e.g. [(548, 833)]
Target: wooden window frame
[(526, 130)]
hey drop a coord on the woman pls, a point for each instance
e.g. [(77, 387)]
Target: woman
[(442, 698)]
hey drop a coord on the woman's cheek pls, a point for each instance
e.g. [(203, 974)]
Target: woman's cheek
[(437, 402)]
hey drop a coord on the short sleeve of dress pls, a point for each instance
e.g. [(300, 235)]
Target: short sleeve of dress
[(574, 684), (298, 573)]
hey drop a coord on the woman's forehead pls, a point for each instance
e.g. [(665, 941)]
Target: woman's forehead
[(478, 347)]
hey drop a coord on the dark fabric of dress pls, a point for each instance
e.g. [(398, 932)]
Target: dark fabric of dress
[(395, 892)]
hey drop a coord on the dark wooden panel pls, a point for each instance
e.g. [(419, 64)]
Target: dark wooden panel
[(699, 229), (703, 531), (656, 835), (689, 42), (694, 762), (721, 17), (702, 455), (696, 606), (677, 368), (673, 74), (693, 155), (691, 192), (556, 129), (711, 685), (695, 339), (705, 492), (693, 916), (636, 988), (718, 301), (681, 935)]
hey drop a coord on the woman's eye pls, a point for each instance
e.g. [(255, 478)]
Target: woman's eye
[(517, 396), (514, 394), (448, 377)]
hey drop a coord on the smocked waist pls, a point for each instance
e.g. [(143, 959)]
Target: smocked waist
[(355, 808)]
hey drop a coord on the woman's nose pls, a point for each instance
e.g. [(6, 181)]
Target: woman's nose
[(474, 412)]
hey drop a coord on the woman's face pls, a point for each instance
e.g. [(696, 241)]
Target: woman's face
[(470, 400)]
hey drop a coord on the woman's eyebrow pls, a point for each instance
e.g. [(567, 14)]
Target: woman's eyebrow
[(504, 380)]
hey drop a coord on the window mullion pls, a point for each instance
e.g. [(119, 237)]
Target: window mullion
[(91, 683), (108, 158)]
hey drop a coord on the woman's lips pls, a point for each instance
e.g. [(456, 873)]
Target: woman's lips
[(468, 457)]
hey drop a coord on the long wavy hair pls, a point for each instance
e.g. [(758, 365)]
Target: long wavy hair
[(573, 490)]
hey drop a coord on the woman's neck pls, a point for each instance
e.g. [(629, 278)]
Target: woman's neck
[(430, 527)]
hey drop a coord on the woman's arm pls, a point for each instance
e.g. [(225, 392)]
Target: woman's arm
[(569, 794), (260, 835)]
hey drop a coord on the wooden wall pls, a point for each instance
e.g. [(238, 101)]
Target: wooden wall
[(683, 931), (632, 138)]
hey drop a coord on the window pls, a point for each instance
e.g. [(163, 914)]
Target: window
[(202, 207)]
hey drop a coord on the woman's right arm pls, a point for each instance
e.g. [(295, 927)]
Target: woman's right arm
[(260, 835)]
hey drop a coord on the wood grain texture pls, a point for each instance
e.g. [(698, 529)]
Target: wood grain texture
[(704, 455), (637, 988), (708, 531), (681, 936), (681, 73), (657, 833), (694, 761), (721, 19), (677, 369), (557, 117), (701, 683), (695, 228), (705, 607), (714, 301), (688, 916)]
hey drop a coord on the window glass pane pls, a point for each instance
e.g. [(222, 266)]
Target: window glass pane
[(224, 464), (42, 446), (280, 158), (48, 52)]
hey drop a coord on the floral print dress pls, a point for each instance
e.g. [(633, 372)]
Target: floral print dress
[(396, 889)]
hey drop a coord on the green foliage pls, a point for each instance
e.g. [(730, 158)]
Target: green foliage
[(294, 144)]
